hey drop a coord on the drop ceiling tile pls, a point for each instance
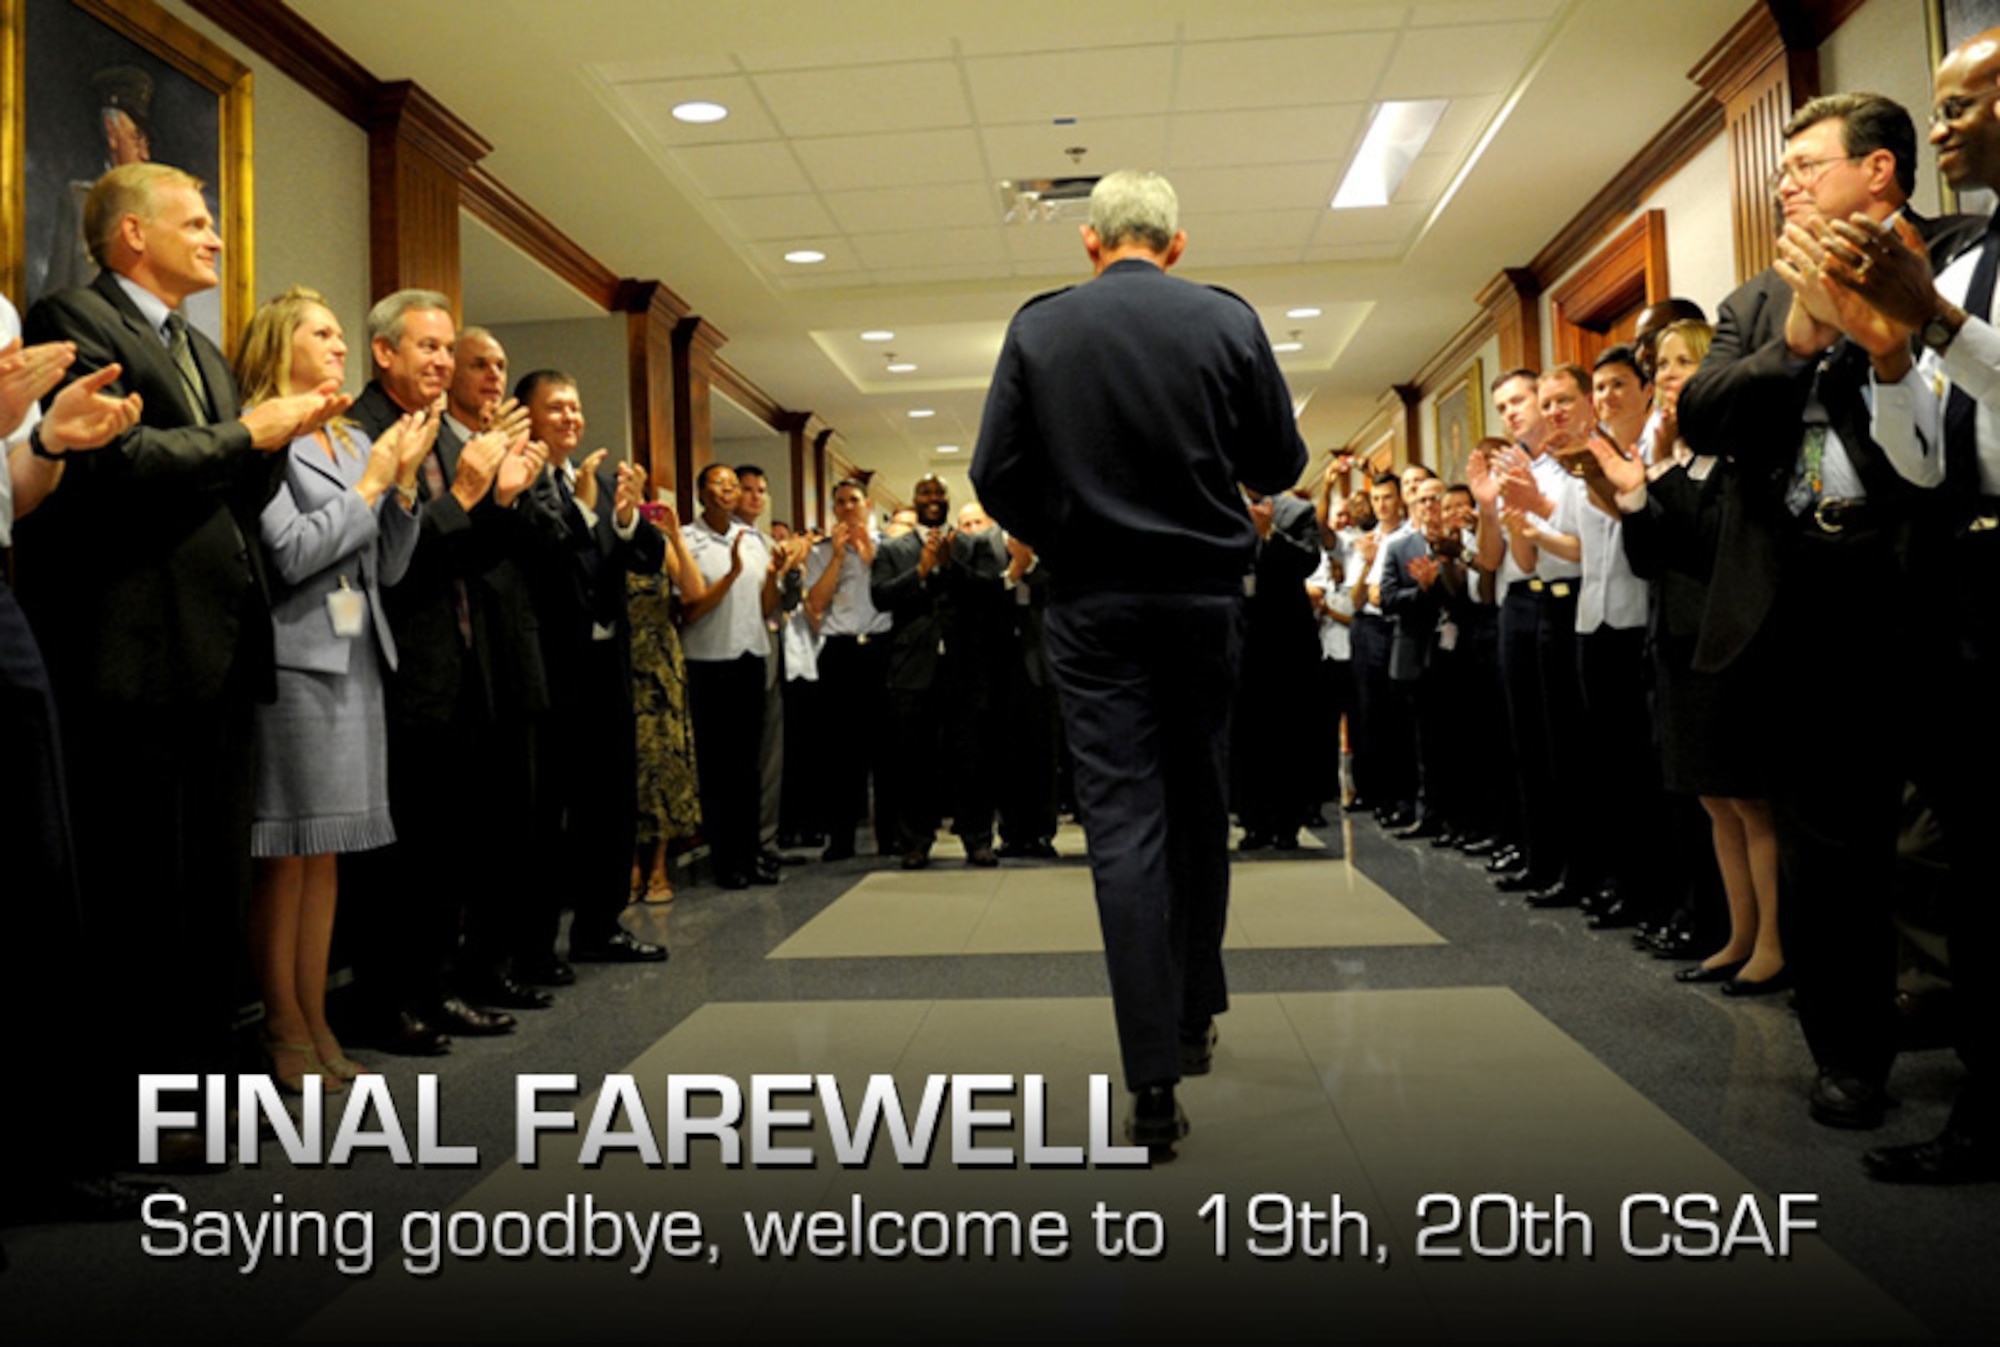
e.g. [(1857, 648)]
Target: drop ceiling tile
[(1236, 230), (798, 215), (1040, 150), (1046, 243), (840, 257), (1278, 72), (1267, 136), (763, 168), (965, 271), (1378, 224), (860, 100), (1451, 62), (1452, 13), (1209, 22), (1207, 191), (910, 159), (825, 54), (1201, 264), (681, 65), (1426, 180), (932, 248), (1101, 83), (653, 101), (959, 205)]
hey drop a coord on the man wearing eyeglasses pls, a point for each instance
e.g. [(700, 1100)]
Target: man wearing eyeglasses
[(1821, 598), (1940, 416)]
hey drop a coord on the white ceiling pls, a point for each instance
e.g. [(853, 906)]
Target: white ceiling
[(877, 131)]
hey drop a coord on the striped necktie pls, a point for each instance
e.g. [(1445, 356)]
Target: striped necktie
[(182, 352)]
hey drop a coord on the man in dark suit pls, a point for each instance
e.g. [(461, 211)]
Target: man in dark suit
[(1423, 573), (1941, 414), (1818, 527), (588, 773), (944, 589), (461, 705), (1121, 417), (146, 585), (1271, 778)]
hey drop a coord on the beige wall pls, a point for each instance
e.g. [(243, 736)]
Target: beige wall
[(310, 183), (589, 350), (1884, 48)]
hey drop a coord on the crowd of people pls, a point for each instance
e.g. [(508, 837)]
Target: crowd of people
[(302, 649)]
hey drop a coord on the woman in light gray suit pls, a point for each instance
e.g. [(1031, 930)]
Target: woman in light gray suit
[(342, 527)]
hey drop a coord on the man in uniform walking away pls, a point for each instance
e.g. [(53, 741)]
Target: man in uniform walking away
[(1121, 417)]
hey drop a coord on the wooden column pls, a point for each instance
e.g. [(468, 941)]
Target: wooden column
[(652, 312), (793, 425), (696, 341), (820, 484), (418, 154), (1513, 299), (1403, 412), (1760, 74)]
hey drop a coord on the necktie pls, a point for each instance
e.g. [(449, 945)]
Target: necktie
[(182, 352), (434, 487), (1961, 414)]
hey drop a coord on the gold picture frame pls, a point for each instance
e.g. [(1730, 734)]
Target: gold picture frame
[(178, 97), (1457, 422)]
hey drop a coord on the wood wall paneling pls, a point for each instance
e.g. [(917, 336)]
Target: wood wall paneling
[(418, 155), (1759, 73), (1624, 276), (652, 312), (1513, 299), (695, 344)]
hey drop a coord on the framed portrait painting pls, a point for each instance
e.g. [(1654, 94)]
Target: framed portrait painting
[(92, 84), (1455, 425)]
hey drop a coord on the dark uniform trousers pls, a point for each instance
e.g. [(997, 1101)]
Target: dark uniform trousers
[(1385, 767), (1562, 718), (846, 744), (726, 698), (1973, 923), (1146, 684), (1521, 668)]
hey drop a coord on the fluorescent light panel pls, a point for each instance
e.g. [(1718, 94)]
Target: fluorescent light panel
[(1396, 135)]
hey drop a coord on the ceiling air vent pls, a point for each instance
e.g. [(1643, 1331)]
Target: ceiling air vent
[(1046, 200)]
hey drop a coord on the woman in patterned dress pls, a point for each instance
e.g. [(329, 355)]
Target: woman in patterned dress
[(669, 805)]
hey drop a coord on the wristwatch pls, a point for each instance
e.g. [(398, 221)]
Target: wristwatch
[(40, 450), (1940, 330)]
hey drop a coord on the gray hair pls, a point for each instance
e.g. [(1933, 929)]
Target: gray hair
[(385, 320), (1133, 207)]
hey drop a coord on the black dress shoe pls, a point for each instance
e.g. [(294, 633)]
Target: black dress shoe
[(1949, 1157), (1722, 972), (768, 863), (732, 879), (622, 947), (409, 1035), (1553, 897), (1507, 858), (1157, 1121), (94, 1197), (916, 858), (1615, 916), (1672, 942), (840, 849), (1448, 838), (1198, 1050), (1777, 982), (1393, 819), (981, 855), (1037, 850), (1357, 805), (760, 875), (460, 1017), (1287, 840), (1482, 846), (508, 994), (1417, 829), (549, 972), (1253, 842), (1843, 1099), (1520, 882)]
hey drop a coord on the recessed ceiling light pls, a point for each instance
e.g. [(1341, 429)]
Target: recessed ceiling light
[(805, 257), (1396, 136), (947, 448), (921, 412), (1301, 313), (1289, 346), (901, 367), (699, 111), (878, 334)]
